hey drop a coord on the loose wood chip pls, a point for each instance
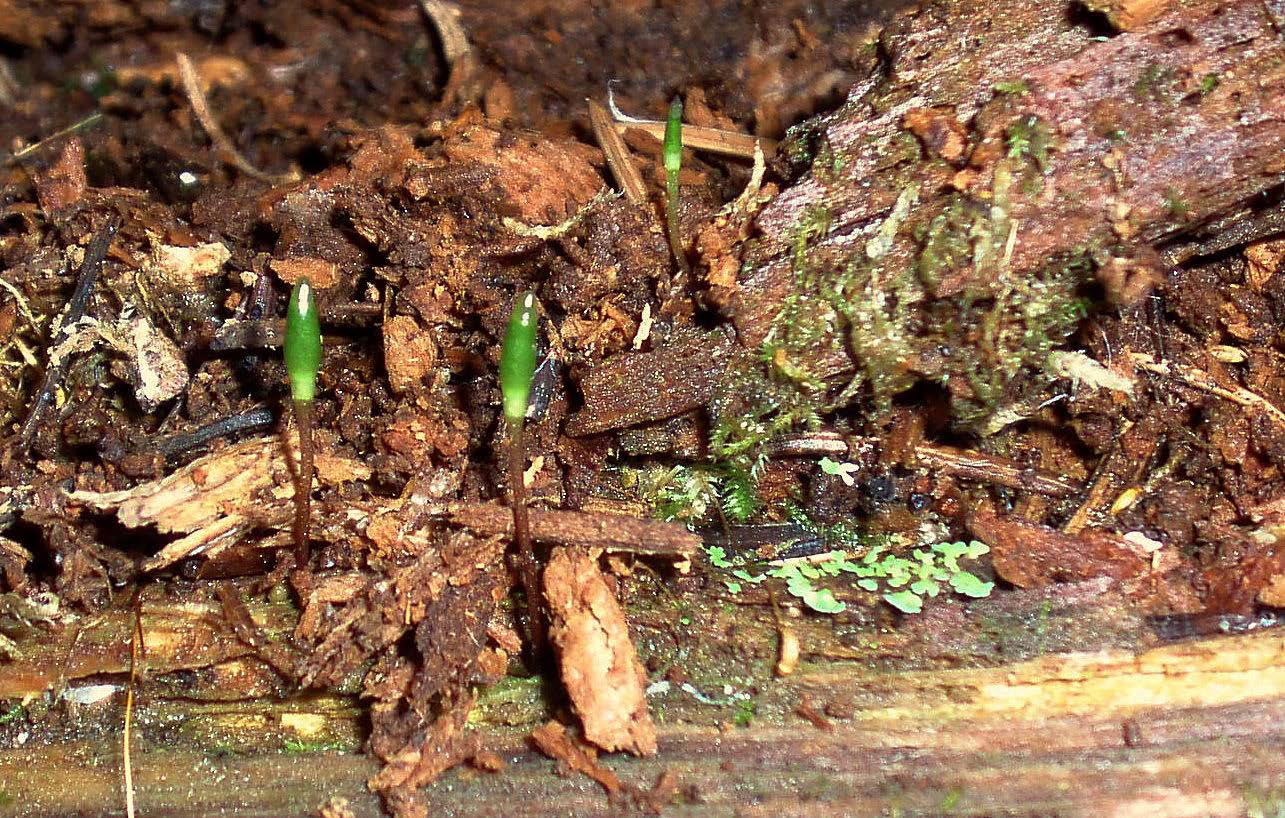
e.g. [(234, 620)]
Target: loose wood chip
[(609, 532), (600, 668), (618, 158), (636, 387), (216, 498)]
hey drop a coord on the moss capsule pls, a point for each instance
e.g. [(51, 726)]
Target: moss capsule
[(517, 361), (303, 341), (673, 146)]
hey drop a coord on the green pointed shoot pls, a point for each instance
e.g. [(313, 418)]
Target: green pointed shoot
[(672, 153), (517, 369), (303, 341), (517, 361), (303, 359), (673, 149)]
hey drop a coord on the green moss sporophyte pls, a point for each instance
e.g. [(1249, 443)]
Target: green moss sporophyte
[(517, 369), (672, 153), (517, 360), (302, 352)]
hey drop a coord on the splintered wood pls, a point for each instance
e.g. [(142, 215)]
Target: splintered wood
[(216, 500), (600, 668)]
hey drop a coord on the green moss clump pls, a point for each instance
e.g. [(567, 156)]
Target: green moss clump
[(1029, 137), (930, 296)]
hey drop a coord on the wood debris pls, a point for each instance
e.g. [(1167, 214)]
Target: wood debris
[(553, 740), (609, 532), (217, 498), (599, 665)]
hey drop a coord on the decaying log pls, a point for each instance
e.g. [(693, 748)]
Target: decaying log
[(1187, 729), (1031, 147)]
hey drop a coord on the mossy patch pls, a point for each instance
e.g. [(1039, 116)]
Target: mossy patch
[(930, 295)]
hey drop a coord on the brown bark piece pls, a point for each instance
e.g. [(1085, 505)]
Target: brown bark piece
[(1030, 555), (610, 532), (1273, 593), (553, 740), (1127, 15), (544, 180), (1266, 259), (600, 668), (320, 273), (410, 353), (445, 744), (65, 182), (638, 387)]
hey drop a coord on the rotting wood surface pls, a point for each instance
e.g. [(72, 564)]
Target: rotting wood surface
[(1192, 728)]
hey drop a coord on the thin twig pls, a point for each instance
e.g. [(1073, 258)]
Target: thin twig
[(1203, 381), (201, 107), (618, 158), (135, 661), (963, 463), (175, 445), (75, 127), (610, 532), (86, 278), (713, 140)]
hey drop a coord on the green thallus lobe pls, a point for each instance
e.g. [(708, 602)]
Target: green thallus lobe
[(517, 368), (303, 358)]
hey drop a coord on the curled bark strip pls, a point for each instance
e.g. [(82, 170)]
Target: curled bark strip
[(600, 668)]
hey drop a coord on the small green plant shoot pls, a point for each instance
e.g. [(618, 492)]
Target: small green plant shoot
[(673, 156), (517, 369), (303, 359)]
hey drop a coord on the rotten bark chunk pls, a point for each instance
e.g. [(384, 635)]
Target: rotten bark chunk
[(445, 743), (553, 740), (639, 387), (1083, 154), (1126, 15), (216, 499), (424, 591), (607, 531), (600, 668), (1030, 555)]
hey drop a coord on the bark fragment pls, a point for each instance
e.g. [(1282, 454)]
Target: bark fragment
[(637, 387), (600, 668)]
